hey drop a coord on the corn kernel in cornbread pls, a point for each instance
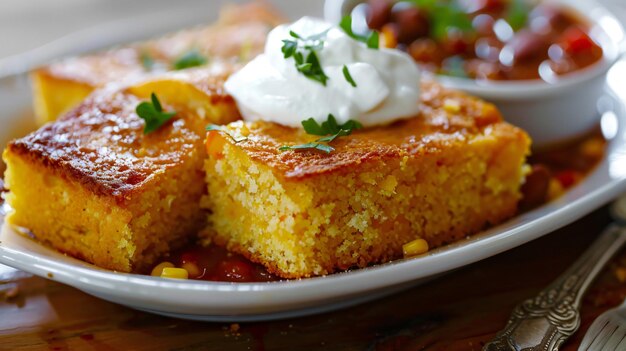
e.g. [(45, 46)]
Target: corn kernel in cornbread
[(238, 36), (93, 185), (441, 176)]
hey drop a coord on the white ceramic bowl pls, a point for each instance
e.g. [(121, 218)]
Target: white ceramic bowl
[(549, 112)]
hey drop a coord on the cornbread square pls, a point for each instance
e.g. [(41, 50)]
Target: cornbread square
[(443, 175), (238, 36), (94, 186)]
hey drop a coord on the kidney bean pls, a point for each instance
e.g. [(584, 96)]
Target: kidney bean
[(526, 45), (483, 24), (575, 41), (379, 13), (456, 43), (545, 14), (413, 23)]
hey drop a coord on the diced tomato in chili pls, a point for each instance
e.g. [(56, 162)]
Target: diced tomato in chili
[(567, 178), (576, 41)]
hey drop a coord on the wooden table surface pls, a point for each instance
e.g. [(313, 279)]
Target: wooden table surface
[(458, 311)]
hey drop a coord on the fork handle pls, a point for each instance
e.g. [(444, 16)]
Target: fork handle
[(544, 322)]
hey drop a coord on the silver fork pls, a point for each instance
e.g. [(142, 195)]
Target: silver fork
[(608, 331), (544, 322)]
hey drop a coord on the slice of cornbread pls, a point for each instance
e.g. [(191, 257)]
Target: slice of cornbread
[(445, 174), (238, 36), (93, 185)]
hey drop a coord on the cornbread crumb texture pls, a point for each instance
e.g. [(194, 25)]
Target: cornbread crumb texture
[(440, 176), (238, 36), (94, 186)]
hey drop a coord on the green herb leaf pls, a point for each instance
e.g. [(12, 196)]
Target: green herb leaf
[(517, 14), (310, 66), (426, 4), (326, 148), (351, 125), (445, 15), (236, 138), (346, 74), (346, 25), (312, 127), (304, 67), (294, 34), (328, 139), (331, 126), (372, 40), (190, 59), (329, 129), (156, 103), (316, 146), (153, 115), (289, 48)]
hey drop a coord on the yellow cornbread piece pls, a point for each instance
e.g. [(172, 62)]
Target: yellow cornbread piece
[(440, 176), (94, 186), (238, 36)]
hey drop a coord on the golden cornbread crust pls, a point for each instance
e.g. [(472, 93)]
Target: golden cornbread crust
[(238, 36), (93, 185), (445, 174)]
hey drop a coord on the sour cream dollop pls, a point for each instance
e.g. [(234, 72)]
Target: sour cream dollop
[(270, 87)]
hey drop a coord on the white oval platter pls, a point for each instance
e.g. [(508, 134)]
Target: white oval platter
[(215, 301)]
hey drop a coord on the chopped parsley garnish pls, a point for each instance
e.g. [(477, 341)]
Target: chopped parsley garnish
[(304, 53), (309, 146), (330, 131), (236, 138), (190, 59), (153, 115), (371, 40), (346, 74), (445, 15), (329, 127)]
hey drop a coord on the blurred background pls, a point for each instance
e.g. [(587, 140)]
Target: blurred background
[(28, 24)]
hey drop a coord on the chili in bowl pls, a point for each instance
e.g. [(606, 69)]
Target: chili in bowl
[(543, 63)]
